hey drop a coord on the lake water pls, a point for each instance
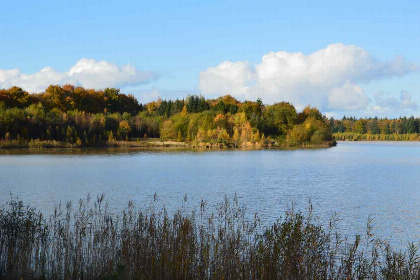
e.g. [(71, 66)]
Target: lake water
[(355, 179)]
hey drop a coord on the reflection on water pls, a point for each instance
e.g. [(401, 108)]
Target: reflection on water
[(355, 179)]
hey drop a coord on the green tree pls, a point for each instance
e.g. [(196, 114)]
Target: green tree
[(360, 126), (279, 118)]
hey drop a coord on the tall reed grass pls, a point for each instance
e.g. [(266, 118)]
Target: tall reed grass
[(86, 241)]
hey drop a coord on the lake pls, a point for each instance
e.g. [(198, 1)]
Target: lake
[(354, 179)]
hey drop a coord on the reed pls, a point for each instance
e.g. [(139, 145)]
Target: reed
[(86, 241), (34, 144)]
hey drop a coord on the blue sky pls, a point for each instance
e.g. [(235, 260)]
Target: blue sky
[(178, 40)]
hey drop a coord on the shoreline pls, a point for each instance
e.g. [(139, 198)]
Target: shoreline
[(156, 145)]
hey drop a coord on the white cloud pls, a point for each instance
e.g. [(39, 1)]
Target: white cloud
[(148, 95), (227, 77), (349, 97), (36, 82), (93, 74), (86, 72), (386, 103), (303, 79), (8, 74)]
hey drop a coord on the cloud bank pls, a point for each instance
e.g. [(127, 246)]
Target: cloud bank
[(328, 78), (86, 72), (349, 97), (389, 103)]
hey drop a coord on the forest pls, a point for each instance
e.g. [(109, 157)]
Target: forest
[(75, 116), (374, 129)]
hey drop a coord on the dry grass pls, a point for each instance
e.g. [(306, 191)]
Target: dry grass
[(85, 241)]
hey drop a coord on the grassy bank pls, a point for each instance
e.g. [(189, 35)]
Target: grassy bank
[(349, 136), (84, 241)]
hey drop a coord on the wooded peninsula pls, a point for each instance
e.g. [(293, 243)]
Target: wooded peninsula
[(71, 116), (68, 116)]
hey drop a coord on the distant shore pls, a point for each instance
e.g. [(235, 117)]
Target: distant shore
[(348, 136)]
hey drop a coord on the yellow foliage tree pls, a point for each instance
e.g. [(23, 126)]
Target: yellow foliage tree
[(236, 136), (201, 135), (246, 133), (124, 130)]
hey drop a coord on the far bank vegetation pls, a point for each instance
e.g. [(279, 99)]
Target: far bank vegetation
[(375, 129)]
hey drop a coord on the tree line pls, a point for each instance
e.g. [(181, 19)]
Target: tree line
[(402, 125), (87, 117), (350, 128)]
